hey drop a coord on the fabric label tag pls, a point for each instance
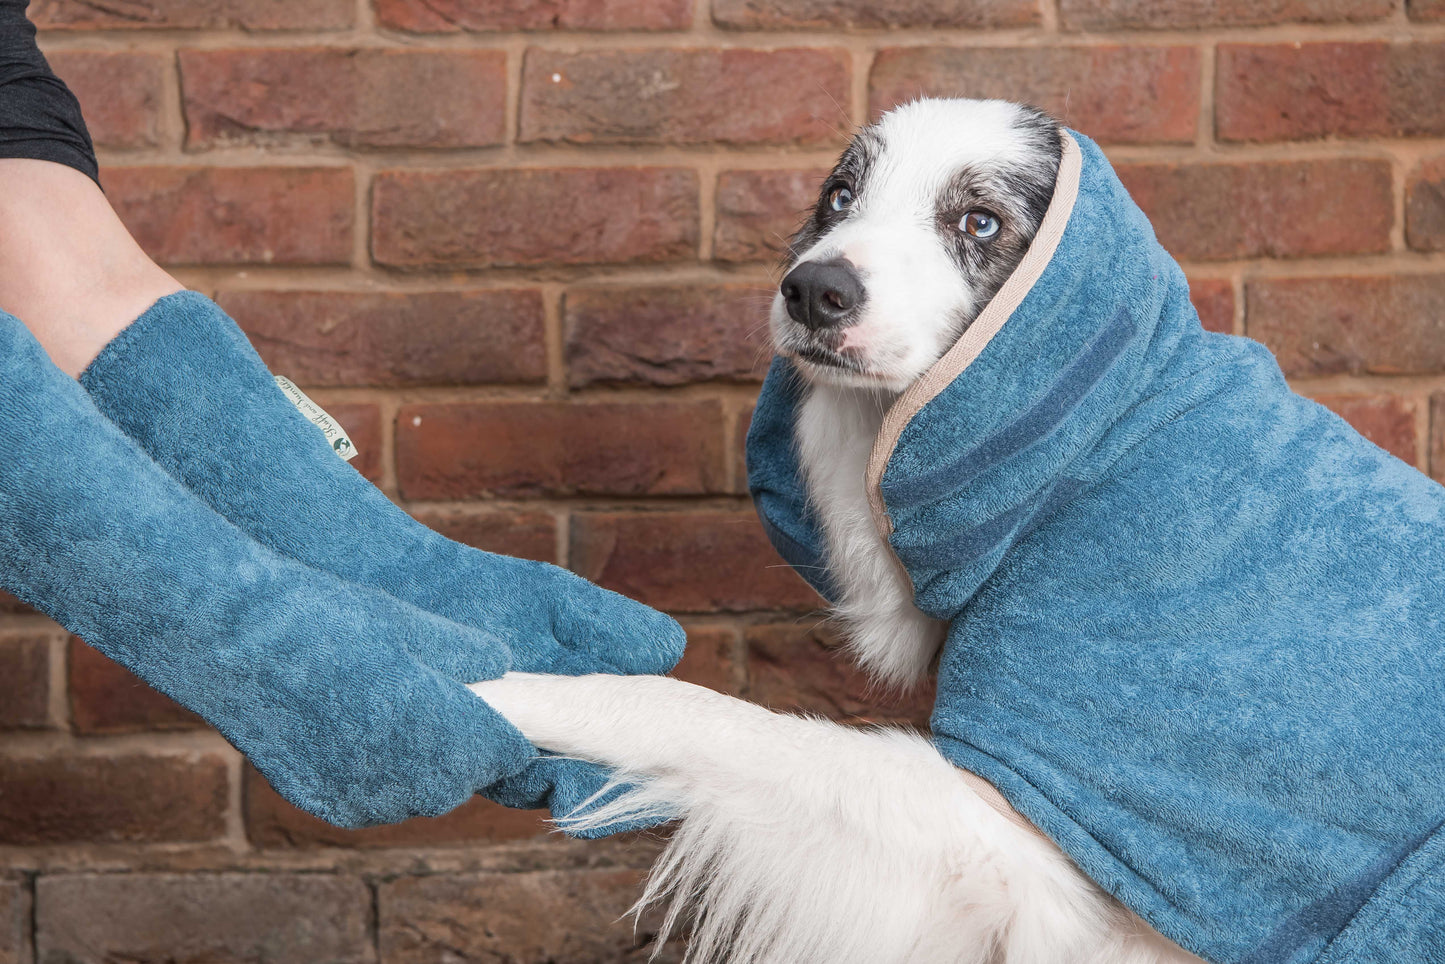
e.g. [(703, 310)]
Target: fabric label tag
[(341, 443)]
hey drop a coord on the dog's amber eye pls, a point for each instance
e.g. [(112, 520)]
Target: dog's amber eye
[(979, 224), (839, 198)]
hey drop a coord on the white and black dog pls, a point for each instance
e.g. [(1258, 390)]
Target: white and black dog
[(803, 841)]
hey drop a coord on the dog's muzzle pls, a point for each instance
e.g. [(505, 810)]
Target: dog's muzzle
[(823, 294)]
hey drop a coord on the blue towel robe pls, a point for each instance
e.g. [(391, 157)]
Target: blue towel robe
[(1197, 622)]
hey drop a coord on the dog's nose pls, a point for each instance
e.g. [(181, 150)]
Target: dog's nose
[(820, 294)]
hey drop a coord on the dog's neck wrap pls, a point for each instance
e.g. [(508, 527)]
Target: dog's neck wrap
[(1197, 622)]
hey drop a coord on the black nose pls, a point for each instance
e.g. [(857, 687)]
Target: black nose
[(821, 294)]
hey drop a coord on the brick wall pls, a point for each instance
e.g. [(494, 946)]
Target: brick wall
[(522, 250)]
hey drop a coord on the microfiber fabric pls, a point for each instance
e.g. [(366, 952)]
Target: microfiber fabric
[(1195, 620), (186, 384), (350, 702)]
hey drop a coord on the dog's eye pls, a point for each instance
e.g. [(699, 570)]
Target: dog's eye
[(839, 198), (979, 224)]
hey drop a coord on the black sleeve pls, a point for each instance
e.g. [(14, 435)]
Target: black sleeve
[(39, 116)]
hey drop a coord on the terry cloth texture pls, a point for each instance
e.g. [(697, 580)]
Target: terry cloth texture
[(184, 382), (39, 116), (350, 702), (1196, 621)]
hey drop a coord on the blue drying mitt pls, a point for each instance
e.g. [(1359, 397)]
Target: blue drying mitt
[(1197, 623), (349, 701), (185, 383)]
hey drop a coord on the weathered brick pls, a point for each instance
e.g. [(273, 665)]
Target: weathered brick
[(794, 668), (362, 421), (271, 822), (194, 14), (873, 14), (459, 451), (1126, 95), (1292, 91), (546, 917), (706, 561), (1425, 206), (1277, 209), (237, 215), (119, 93), (1380, 325), (1167, 14), (396, 339), (105, 697), (356, 97), (24, 682), (527, 535), (452, 16), (278, 918), (1426, 10), (534, 216), (1386, 420), (1437, 436), (1214, 300), (711, 659), (740, 450), (74, 798), (758, 211), (666, 336), (14, 923), (670, 96)]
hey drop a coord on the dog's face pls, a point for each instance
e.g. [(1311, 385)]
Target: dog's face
[(924, 217)]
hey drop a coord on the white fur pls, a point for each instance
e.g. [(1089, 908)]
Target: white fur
[(802, 841)]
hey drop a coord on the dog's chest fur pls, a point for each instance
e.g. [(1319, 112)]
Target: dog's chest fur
[(885, 632)]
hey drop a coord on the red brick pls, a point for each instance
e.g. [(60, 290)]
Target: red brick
[(452, 16), (740, 450), (356, 97), (758, 211), (1278, 209), (1425, 206), (73, 798), (14, 923), (1125, 95), (792, 667), (666, 336), (396, 339), (24, 683), (9, 605), (119, 93), (1437, 436), (237, 215), (362, 421), (671, 96), (106, 698), (460, 451), (1297, 91), (711, 659), (873, 14), (527, 535), (1386, 420), (271, 822), (278, 918), (1214, 300), (194, 14), (1383, 325), (1426, 10), (1166, 14), (534, 216), (705, 561), (556, 917)]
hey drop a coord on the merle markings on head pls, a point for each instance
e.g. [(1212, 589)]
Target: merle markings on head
[(926, 214)]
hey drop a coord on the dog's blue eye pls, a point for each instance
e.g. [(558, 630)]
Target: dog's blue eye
[(839, 198), (979, 224)]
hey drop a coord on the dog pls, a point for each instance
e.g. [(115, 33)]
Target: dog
[(802, 841)]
